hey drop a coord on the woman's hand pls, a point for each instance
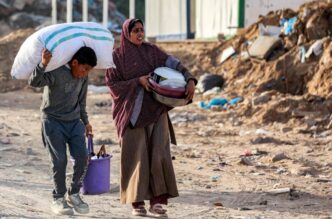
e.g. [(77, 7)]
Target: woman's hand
[(88, 129), (190, 90), (143, 80), (46, 57)]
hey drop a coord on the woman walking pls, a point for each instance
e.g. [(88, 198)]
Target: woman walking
[(142, 123)]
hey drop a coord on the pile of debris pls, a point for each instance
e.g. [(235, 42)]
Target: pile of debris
[(286, 51), (280, 68)]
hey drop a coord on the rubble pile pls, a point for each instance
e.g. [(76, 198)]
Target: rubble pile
[(280, 66), (284, 70)]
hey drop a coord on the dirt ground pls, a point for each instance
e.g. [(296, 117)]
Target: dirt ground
[(212, 180), (270, 156)]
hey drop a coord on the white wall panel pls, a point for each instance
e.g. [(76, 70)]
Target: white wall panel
[(166, 19), (216, 16)]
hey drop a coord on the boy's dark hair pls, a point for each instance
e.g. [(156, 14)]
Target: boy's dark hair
[(85, 55), (133, 22)]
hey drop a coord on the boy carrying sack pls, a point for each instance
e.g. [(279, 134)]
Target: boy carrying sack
[(65, 121)]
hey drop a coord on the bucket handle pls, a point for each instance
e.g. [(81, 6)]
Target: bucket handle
[(90, 146)]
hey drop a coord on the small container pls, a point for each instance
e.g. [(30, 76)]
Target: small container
[(97, 178)]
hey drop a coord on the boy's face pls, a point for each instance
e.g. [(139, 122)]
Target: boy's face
[(80, 70)]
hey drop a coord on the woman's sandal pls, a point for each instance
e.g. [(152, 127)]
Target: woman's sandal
[(157, 211), (139, 211)]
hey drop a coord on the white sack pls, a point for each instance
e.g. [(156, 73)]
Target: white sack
[(63, 40)]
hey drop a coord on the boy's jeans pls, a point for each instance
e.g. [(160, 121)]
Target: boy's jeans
[(56, 135)]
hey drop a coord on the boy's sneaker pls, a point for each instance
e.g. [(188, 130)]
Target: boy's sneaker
[(77, 203), (59, 206)]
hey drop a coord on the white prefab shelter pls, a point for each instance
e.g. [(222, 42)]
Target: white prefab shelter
[(166, 19), (216, 16), (173, 19)]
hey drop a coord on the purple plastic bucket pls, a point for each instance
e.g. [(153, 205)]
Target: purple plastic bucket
[(97, 178)]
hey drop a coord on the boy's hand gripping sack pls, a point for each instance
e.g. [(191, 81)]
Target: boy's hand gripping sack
[(63, 41)]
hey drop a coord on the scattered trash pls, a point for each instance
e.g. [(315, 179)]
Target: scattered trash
[(288, 25), (226, 54), (220, 102), (208, 81), (280, 191), (302, 54), (316, 49), (263, 46), (235, 101), (262, 132), (213, 102), (269, 30)]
